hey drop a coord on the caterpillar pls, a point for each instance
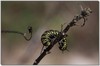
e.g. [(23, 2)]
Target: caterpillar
[(49, 35)]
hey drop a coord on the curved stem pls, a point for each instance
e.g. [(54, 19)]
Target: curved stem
[(29, 37), (8, 31), (17, 32)]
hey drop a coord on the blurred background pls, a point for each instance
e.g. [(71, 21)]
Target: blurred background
[(83, 42)]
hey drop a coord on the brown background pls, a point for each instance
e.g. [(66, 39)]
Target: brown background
[(83, 41)]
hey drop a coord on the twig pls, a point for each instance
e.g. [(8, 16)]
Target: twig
[(17, 32), (84, 13)]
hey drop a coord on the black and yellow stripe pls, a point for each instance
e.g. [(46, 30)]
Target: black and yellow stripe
[(49, 35), (63, 43)]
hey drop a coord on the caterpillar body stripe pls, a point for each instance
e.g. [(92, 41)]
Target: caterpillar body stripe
[(63, 44), (49, 35)]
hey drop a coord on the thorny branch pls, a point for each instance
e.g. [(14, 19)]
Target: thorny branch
[(83, 15)]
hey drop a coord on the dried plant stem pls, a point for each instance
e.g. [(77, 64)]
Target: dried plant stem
[(17, 32), (84, 13)]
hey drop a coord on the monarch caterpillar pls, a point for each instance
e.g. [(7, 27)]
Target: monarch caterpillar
[(49, 35)]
